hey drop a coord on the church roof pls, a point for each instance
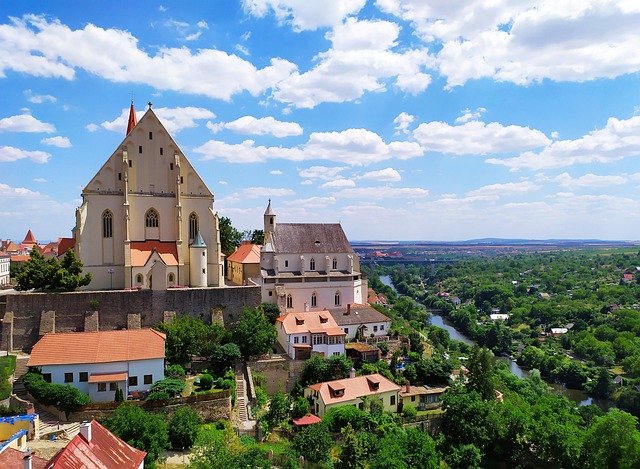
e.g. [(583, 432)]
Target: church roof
[(310, 238), (29, 239), (198, 242), (64, 244), (142, 250), (133, 119), (246, 254), (269, 210)]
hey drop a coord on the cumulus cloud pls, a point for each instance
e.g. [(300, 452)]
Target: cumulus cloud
[(25, 123), (618, 139), (474, 138), (60, 142), (39, 98), (385, 192), (469, 115), (10, 154), (174, 119), (339, 183), (92, 127), (384, 175), (402, 122), (249, 125), (40, 180), (37, 46), (321, 172), (500, 190), (589, 180), (263, 192), (352, 146), (311, 202), (275, 172)]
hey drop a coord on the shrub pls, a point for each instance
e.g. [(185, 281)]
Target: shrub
[(173, 387), (175, 371), (384, 348), (6, 411), (7, 367), (64, 397), (300, 408), (183, 427), (206, 381), (409, 411), (119, 397), (158, 396)]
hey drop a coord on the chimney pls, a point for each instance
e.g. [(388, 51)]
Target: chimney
[(26, 460), (85, 430), (352, 373), (407, 387)]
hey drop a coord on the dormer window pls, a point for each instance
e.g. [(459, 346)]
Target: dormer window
[(374, 384), (324, 319), (299, 321)]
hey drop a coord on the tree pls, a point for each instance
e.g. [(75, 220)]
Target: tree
[(278, 409), (271, 310), (352, 454), (257, 237), (224, 356), (187, 337), (254, 334), (68, 276), (481, 373), (318, 369), (173, 387), (301, 407), (464, 456), (143, 430), (313, 442), (183, 427), (50, 274), (406, 448), (230, 237), (613, 441)]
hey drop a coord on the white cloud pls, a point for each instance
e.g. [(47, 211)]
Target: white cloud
[(381, 193), (10, 154), (37, 46), (339, 183), (469, 115), (275, 172), (384, 175), (352, 146), (618, 139), (477, 138), (311, 202), (304, 14), (306, 182), (500, 190), (242, 49), (25, 123), (202, 24), (162, 8), (249, 125), (589, 180), (39, 98), (361, 60), (174, 119), (321, 172), (60, 142), (264, 192), (92, 127), (223, 183), (402, 122), (40, 180)]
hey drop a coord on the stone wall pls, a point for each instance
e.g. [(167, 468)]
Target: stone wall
[(67, 312), (280, 372)]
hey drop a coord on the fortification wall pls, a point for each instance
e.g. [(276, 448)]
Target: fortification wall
[(114, 307)]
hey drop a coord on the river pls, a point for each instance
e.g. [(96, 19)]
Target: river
[(580, 397)]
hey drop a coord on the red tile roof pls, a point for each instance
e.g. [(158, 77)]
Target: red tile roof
[(307, 420), (64, 244), (141, 251), (316, 322), (107, 377), (354, 388), (246, 254), (29, 239), (104, 451), (20, 257), (97, 347), (12, 458), (133, 119)]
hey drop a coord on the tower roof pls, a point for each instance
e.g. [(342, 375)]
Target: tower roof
[(198, 242), (269, 210), (29, 238), (133, 120)]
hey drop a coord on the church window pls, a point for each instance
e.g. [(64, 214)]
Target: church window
[(286, 263), (289, 301), (334, 264), (150, 135), (161, 151), (181, 180), (139, 148), (119, 176), (312, 264), (130, 164), (337, 298), (171, 278), (193, 225), (107, 224), (152, 219), (171, 166), (139, 278), (314, 300)]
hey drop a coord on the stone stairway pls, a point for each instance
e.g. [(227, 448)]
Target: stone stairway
[(241, 397)]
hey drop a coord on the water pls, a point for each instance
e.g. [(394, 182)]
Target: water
[(439, 321)]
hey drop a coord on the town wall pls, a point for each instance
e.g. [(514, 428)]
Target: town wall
[(114, 307)]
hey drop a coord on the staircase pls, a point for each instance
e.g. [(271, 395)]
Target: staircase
[(241, 397)]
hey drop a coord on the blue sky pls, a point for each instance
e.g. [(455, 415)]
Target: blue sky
[(402, 119)]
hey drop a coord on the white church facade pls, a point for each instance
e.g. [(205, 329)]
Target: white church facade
[(308, 266), (147, 219)]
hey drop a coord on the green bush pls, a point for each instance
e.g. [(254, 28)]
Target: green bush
[(7, 367), (384, 348), (206, 381), (173, 387), (409, 411), (175, 371), (183, 427), (64, 397), (158, 396), (6, 411)]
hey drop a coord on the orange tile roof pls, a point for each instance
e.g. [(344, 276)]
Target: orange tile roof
[(12, 458), (64, 244), (20, 257), (354, 388), (97, 347), (246, 254), (142, 250), (107, 377), (300, 323), (29, 239), (307, 420), (104, 451)]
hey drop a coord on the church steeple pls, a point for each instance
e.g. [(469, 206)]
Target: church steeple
[(133, 120), (269, 219)]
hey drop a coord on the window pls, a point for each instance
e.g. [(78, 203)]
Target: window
[(107, 224), (304, 339), (286, 263), (270, 292), (193, 225), (314, 300), (346, 330), (102, 387), (162, 152), (296, 339), (392, 400), (152, 218), (334, 264), (375, 328), (46, 377), (413, 398), (83, 377), (336, 298), (150, 135), (382, 327), (312, 264), (130, 164), (68, 377), (113, 386), (148, 379), (171, 166), (181, 180), (336, 353), (139, 278), (139, 148), (289, 301), (133, 380), (119, 176)]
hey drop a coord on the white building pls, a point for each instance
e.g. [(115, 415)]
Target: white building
[(99, 363), (5, 262), (147, 218), (308, 266), (304, 334), (361, 321)]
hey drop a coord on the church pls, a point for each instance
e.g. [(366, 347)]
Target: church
[(147, 219), (308, 266)]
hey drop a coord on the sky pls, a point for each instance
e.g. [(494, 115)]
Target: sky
[(401, 119)]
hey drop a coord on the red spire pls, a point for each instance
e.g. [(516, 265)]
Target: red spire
[(133, 120), (29, 239)]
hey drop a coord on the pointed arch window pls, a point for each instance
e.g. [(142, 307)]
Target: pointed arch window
[(289, 301), (107, 224), (139, 279), (193, 225), (336, 298), (334, 264), (312, 264), (314, 300), (152, 219)]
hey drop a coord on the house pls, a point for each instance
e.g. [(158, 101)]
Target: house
[(361, 321), (627, 278), (304, 334), (499, 317), (5, 264), (351, 391), (147, 219), (556, 331), (244, 264), (99, 363), (95, 447), (12, 458), (308, 266), (361, 352), (422, 397)]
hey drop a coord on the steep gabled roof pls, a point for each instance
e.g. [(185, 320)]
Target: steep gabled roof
[(142, 251), (29, 239), (246, 254), (357, 314), (354, 388), (321, 238), (316, 322), (133, 119)]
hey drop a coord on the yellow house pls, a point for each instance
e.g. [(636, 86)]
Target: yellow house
[(244, 263), (351, 391), (422, 397)]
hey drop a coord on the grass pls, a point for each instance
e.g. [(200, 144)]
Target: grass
[(437, 411)]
